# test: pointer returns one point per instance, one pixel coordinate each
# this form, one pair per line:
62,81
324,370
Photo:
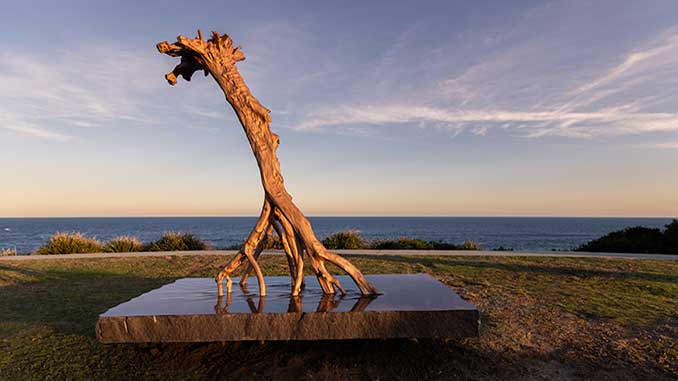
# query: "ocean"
518,233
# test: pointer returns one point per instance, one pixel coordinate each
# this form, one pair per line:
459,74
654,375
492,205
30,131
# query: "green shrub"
403,243
123,244
671,236
440,245
502,248
177,241
351,240
70,243
637,239
470,245
274,242
346,240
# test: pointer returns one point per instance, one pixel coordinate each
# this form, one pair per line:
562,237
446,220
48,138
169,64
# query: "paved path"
360,252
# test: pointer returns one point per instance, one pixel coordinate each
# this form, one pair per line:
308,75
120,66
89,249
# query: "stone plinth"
189,310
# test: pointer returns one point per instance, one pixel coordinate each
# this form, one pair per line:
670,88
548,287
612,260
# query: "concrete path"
359,252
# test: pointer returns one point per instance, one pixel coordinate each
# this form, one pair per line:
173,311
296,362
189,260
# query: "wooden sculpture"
217,57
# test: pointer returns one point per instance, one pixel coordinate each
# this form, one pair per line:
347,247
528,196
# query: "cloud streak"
37,132
667,145
70,89
535,124
629,97
524,85
54,96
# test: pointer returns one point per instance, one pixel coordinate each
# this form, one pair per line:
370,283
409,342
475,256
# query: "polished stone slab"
189,310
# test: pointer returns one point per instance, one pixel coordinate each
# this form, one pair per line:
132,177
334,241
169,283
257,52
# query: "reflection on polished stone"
327,303
190,310
190,296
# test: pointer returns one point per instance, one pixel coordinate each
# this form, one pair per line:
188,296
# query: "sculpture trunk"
217,57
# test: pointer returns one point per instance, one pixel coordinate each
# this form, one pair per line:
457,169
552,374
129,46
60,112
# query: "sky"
451,108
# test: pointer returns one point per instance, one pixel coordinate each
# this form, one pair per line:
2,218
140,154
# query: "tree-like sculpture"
217,57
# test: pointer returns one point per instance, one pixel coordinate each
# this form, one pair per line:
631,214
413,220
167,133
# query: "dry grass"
542,318
8,252
70,243
177,241
123,244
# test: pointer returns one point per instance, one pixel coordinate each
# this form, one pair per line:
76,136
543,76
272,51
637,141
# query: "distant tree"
637,239
671,236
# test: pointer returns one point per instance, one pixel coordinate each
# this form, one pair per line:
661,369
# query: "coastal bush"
671,235
70,243
637,239
8,252
502,248
470,245
403,243
123,244
274,242
440,245
346,240
177,241
352,240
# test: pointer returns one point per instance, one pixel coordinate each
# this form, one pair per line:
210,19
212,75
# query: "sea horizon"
351,216
532,233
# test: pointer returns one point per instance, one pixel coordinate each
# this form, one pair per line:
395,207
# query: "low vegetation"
78,243
541,318
637,240
347,240
273,242
70,243
123,244
177,241
351,239
404,243
630,240
7,252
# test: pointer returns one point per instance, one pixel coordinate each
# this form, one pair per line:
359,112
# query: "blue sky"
562,108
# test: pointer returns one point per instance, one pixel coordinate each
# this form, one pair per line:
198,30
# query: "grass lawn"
542,318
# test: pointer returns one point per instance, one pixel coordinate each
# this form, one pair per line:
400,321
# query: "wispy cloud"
534,124
673,145
626,97
52,96
650,56
206,113
69,89
528,85
29,129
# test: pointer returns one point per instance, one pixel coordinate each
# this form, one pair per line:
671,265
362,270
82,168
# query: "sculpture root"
272,219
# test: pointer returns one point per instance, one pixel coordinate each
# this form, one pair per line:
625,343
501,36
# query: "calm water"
519,233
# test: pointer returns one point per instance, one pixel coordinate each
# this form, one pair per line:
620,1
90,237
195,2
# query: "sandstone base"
189,310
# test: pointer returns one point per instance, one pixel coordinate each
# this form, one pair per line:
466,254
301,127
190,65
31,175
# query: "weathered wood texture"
217,57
